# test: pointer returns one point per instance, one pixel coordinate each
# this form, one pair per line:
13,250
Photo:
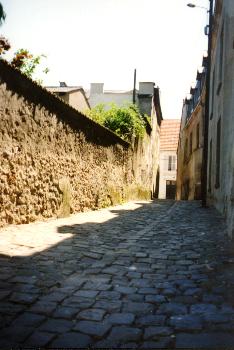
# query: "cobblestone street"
156,274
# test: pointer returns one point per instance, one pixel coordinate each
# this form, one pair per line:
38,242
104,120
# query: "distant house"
73,95
169,134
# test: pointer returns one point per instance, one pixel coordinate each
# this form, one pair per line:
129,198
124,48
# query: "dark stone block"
125,334
186,322
151,320
72,340
172,309
39,339
92,314
138,308
121,318
155,332
203,308
98,329
205,340
155,299
56,326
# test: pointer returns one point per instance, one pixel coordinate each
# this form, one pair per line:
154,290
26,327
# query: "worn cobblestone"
121,318
186,322
39,339
120,334
97,329
155,332
72,340
141,275
92,314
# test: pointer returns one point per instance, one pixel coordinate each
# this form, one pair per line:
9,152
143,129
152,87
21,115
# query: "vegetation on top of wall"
27,63
126,121
38,95
4,45
23,60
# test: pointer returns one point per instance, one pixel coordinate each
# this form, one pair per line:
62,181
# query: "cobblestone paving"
149,275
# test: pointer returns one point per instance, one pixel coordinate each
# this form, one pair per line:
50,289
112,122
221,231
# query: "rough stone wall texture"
54,160
146,157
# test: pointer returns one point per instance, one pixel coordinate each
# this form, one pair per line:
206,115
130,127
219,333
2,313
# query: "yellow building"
190,145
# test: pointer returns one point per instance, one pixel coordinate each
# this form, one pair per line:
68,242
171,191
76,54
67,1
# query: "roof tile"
169,134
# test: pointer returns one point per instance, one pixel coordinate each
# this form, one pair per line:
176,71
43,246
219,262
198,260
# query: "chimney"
96,88
146,88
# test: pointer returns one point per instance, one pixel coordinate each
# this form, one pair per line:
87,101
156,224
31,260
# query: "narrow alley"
146,274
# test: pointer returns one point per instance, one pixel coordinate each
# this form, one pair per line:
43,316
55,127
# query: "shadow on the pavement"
120,216
61,259
92,251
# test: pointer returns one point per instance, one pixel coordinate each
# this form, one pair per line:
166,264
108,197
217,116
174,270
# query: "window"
210,166
198,135
171,163
191,143
218,139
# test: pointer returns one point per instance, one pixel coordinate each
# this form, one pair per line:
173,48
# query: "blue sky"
104,40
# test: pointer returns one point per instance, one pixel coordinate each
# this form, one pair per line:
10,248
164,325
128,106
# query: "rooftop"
63,88
169,134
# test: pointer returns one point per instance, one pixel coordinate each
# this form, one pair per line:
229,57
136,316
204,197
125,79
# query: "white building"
169,134
97,95
143,96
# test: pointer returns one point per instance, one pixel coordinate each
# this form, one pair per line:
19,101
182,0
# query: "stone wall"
220,166
54,160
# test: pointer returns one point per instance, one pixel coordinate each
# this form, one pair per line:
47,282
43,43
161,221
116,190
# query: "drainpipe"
207,112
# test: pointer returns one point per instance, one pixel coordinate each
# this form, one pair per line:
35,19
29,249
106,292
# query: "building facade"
72,95
143,96
190,145
220,167
98,95
169,134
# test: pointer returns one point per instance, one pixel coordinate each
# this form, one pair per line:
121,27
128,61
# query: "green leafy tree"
126,121
97,113
27,63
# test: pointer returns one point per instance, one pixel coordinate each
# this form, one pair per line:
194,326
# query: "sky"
105,40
